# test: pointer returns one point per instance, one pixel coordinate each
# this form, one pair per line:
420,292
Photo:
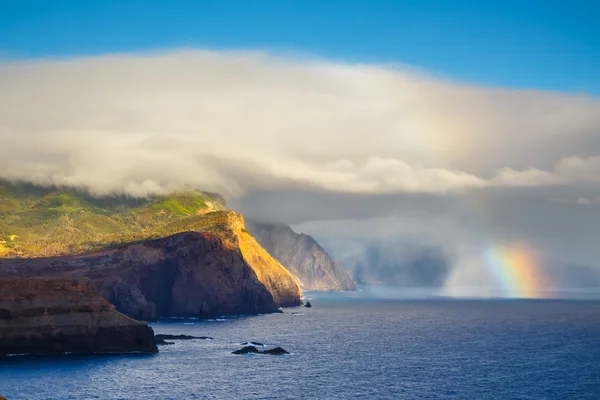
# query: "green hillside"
37,221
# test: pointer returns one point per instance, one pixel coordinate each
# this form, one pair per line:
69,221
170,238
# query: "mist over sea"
377,343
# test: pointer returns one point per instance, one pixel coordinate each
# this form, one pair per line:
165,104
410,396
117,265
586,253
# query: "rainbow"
516,272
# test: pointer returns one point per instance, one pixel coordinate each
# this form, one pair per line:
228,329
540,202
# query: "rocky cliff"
188,274
303,257
58,315
230,227
142,272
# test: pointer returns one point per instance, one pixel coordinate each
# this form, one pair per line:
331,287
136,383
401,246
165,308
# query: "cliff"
230,227
65,315
188,274
303,257
113,239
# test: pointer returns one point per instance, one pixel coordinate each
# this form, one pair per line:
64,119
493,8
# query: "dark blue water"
348,346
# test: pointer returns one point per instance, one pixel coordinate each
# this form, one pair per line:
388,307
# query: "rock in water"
276,351
254,350
247,350
308,305
162,342
162,336
65,315
253,344
302,256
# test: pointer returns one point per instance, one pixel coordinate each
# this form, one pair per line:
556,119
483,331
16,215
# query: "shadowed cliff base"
189,274
65,315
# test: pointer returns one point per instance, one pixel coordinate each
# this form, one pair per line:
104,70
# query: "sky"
542,44
391,131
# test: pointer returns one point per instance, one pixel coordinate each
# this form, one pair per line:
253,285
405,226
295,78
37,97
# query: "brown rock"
188,274
58,315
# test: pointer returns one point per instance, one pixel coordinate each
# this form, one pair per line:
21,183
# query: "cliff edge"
230,227
189,274
63,315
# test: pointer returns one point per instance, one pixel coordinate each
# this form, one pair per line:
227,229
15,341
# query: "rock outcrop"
65,315
162,342
303,257
189,274
254,350
230,227
162,336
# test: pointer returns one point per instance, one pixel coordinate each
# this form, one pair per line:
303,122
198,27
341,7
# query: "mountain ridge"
302,256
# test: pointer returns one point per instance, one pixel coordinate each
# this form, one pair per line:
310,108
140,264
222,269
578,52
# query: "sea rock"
302,256
276,351
308,305
65,315
254,350
188,274
162,336
246,350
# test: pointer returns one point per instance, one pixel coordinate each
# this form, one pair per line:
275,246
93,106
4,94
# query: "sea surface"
347,346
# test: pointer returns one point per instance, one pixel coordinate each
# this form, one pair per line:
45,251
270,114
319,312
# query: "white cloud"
232,121
315,140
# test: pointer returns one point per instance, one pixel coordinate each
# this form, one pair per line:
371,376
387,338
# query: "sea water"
347,346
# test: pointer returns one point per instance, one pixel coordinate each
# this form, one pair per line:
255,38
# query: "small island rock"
254,350
276,350
247,350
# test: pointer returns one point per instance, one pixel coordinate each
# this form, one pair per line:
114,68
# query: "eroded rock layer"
189,274
65,315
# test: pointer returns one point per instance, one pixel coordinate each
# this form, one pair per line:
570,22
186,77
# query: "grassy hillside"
36,221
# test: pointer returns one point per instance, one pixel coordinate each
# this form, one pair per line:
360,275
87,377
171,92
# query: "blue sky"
524,44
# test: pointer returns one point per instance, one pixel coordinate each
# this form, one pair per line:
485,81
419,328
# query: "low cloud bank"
399,157
231,121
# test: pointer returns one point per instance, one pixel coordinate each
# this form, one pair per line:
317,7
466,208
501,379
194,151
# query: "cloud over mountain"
386,150
232,121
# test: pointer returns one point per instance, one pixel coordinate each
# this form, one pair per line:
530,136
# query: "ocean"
352,345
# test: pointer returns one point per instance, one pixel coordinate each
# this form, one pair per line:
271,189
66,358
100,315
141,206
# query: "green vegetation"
37,221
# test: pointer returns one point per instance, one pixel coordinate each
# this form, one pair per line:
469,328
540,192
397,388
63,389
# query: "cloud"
238,121
361,156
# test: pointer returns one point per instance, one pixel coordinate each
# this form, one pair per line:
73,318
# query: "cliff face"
276,278
230,228
189,274
58,315
63,223
303,257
